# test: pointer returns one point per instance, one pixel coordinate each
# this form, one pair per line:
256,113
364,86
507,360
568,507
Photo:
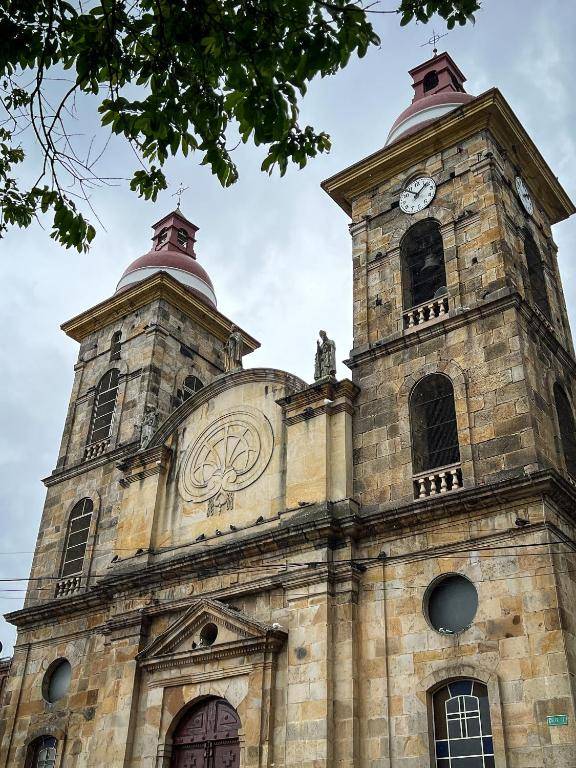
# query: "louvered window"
536,275
116,345
104,407
567,428
423,269
76,538
433,424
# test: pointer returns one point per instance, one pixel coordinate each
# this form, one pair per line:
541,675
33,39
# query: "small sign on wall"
557,720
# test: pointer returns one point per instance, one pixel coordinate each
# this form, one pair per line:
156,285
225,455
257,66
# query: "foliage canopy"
169,77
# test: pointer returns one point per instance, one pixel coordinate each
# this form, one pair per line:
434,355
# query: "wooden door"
207,737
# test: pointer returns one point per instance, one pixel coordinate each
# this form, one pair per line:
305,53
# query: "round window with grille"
450,604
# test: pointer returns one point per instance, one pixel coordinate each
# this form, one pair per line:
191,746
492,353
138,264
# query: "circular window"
208,634
56,680
450,603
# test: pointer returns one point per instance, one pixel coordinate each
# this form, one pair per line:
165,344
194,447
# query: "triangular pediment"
210,630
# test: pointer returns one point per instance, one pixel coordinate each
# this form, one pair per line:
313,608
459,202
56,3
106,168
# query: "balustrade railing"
95,449
424,313
68,586
438,481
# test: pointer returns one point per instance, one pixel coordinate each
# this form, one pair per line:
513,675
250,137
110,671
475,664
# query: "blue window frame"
462,727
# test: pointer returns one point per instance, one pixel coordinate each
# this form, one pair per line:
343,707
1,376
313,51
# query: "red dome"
174,254
424,111
438,89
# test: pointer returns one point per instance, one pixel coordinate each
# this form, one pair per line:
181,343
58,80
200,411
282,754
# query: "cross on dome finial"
433,40
179,192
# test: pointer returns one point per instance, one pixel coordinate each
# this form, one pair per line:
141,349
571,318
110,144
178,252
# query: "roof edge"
489,110
158,286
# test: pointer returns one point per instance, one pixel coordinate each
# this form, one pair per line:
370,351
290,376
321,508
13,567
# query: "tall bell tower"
455,272
464,430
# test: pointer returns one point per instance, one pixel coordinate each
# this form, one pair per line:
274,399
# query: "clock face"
524,195
418,195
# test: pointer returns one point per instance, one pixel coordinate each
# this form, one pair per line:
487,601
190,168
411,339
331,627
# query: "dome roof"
424,111
438,89
173,252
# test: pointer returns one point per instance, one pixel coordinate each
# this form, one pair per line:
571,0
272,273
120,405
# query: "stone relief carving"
227,456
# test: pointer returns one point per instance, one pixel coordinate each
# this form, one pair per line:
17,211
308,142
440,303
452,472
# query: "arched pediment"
221,384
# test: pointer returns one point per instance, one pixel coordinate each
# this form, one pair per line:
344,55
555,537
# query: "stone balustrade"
438,481
424,313
69,586
95,449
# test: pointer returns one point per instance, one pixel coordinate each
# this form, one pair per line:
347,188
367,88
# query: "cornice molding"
158,286
419,336
489,111
119,453
318,527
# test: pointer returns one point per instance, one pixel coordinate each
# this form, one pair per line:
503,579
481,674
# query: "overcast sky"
278,250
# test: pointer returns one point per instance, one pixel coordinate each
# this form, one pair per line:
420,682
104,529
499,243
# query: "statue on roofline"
325,363
233,350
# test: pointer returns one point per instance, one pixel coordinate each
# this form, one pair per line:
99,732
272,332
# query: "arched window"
424,272
567,428
192,384
433,424
462,727
536,274
76,538
208,730
430,81
104,406
115,345
42,753
182,237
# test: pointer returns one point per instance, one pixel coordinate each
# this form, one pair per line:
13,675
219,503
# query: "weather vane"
181,189
433,40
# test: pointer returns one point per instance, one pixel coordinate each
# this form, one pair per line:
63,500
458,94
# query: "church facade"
238,569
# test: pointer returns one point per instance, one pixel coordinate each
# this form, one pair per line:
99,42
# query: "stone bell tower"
455,272
464,430
143,351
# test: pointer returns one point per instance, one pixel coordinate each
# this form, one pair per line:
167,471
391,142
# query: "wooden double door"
207,737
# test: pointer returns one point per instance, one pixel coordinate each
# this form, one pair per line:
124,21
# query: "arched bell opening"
423,267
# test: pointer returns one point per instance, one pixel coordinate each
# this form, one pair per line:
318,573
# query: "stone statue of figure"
325,364
233,351
149,424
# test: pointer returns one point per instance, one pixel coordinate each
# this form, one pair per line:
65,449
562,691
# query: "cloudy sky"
277,250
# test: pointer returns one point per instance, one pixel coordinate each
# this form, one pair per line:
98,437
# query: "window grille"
162,235
462,727
430,81
42,753
76,538
104,407
424,271
115,345
567,428
182,237
536,275
433,424
192,384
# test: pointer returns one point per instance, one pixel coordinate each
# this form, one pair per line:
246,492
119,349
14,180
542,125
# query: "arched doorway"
207,737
